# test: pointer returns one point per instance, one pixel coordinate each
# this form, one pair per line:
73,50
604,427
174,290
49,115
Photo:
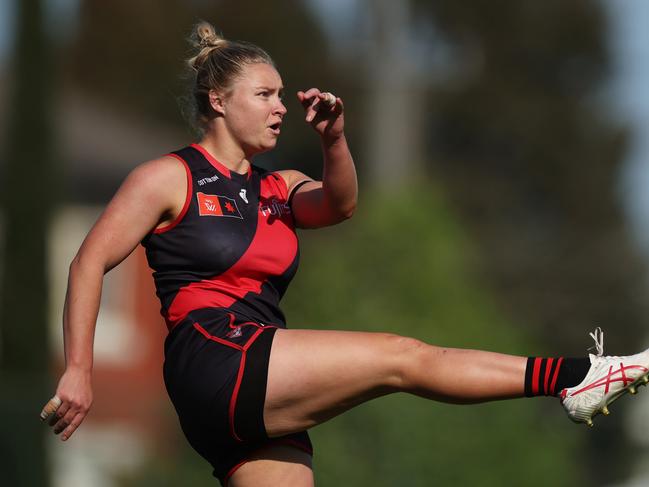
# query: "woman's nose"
280,108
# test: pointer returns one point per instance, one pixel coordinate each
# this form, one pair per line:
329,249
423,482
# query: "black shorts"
215,371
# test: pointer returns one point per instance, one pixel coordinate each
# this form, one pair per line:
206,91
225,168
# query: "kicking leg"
315,375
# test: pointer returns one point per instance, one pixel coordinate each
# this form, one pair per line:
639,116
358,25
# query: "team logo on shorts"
216,205
234,333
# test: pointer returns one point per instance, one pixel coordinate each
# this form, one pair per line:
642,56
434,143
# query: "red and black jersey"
232,247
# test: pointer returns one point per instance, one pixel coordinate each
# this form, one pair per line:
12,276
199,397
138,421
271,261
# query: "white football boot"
608,379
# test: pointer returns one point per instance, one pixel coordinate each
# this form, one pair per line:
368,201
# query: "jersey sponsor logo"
204,181
216,205
242,193
274,208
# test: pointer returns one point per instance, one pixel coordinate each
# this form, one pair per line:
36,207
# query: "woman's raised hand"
323,111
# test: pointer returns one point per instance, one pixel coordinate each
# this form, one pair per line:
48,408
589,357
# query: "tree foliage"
140,65
531,163
404,266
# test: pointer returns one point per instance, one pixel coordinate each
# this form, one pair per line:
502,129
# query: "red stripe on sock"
548,370
555,377
535,376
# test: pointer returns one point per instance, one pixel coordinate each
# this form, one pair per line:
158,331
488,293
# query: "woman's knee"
406,359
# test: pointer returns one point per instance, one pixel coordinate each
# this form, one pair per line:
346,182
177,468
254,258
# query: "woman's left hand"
326,119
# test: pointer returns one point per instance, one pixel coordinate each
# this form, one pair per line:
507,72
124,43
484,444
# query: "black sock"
549,376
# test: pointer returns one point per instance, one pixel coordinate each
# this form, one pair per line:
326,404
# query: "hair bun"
205,35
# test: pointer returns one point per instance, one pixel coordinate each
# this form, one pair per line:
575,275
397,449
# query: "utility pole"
396,107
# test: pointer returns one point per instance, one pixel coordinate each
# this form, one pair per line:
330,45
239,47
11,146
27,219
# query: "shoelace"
598,336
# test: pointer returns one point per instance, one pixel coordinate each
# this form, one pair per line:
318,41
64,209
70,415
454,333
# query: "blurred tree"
404,266
27,198
139,66
532,165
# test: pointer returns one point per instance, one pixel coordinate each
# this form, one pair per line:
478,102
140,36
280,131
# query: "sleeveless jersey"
233,246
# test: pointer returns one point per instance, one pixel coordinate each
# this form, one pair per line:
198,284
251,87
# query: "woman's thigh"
275,465
314,375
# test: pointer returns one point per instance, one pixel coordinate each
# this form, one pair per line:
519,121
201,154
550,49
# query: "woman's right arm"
152,194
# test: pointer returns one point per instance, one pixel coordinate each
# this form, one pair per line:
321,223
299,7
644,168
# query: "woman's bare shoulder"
163,169
159,183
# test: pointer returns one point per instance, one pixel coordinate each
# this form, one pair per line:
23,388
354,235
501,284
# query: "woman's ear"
216,102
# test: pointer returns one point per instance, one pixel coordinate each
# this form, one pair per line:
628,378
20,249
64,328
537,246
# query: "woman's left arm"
332,200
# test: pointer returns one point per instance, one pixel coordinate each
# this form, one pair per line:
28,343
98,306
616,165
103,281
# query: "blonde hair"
215,65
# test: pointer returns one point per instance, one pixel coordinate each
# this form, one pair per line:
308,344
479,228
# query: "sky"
6,28
629,23
337,15
60,13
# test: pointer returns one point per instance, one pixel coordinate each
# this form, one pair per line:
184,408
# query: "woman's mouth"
275,128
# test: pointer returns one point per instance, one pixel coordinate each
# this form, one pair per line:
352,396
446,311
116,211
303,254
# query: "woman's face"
253,108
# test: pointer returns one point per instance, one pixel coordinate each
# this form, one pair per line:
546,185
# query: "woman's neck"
229,154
